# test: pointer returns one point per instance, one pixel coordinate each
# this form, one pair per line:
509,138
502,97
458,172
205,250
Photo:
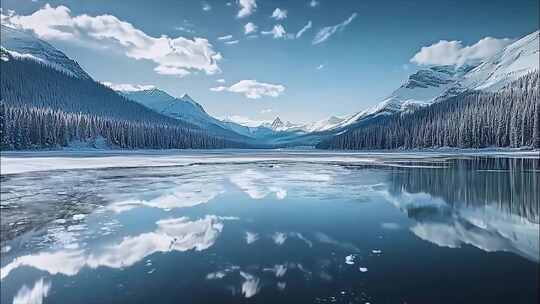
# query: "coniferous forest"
507,118
42,107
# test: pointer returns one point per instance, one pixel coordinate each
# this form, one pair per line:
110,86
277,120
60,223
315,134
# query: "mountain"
187,109
59,104
474,119
439,83
323,125
184,108
513,62
19,44
277,124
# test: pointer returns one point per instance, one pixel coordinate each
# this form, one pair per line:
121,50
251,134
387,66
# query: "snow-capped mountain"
513,62
326,124
277,125
186,109
329,123
19,44
437,83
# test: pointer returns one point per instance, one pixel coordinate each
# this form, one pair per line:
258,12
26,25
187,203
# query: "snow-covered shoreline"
14,162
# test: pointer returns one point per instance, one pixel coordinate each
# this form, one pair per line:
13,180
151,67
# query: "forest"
506,118
42,107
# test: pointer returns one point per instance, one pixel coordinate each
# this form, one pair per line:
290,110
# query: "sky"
253,60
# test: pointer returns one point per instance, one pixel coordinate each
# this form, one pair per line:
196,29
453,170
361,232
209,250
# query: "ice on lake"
296,227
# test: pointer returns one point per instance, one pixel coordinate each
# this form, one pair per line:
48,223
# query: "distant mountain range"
423,88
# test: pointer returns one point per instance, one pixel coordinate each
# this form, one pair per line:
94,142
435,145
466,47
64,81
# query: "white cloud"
253,89
126,87
313,3
304,29
265,111
249,28
171,71
173,56
34,295
327,32
226,37
247,7
221,80
320,67
232,42
278,31
279,14
454,53
206,6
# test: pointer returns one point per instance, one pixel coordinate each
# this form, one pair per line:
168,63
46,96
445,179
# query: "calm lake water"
438,230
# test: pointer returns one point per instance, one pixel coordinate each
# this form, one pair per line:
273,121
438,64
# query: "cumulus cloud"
221,80
279,14
126,87
278,31
232,42
247,7
327,32
249,28
173,56
454,53
304,29
253,89
313,3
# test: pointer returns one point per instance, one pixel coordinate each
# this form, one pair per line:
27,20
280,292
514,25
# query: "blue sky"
365,52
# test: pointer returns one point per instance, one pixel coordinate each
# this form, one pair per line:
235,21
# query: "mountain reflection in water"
270,231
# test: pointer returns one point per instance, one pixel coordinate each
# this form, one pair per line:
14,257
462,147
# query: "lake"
270,227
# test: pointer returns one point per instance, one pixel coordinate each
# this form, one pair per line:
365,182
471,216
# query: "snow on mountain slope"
513,62
325,124
19,44
184,108
438,83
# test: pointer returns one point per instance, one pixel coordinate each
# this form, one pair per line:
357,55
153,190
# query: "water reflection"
489,203
39,291
322,233
178,234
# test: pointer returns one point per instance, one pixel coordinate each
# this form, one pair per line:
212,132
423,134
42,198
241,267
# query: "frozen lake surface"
269,227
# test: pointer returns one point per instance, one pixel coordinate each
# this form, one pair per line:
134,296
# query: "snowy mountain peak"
188,99
514,61
18,44
277,124
438,83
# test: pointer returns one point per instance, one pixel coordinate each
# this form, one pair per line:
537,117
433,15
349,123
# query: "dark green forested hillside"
508,118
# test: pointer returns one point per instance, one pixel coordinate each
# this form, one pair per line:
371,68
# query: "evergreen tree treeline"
42,107
507,118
